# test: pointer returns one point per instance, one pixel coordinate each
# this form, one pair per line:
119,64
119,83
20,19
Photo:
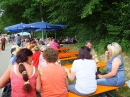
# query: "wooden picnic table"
70,58
67,55
64,49
100,64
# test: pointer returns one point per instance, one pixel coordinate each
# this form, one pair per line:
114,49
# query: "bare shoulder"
116,61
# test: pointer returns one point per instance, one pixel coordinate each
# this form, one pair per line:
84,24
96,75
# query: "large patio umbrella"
51,28
21,27
40,25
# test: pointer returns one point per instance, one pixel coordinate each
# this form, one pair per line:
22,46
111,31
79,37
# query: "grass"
123,92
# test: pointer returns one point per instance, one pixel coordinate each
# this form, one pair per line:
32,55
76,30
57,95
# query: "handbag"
6,91
38,94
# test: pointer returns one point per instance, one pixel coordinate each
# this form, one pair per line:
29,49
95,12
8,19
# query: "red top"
36,56
53,81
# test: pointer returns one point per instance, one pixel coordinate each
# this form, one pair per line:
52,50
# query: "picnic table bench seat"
64,49
100,89
67,55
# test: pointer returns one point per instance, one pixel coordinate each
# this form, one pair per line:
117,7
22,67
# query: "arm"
66,83
38,82
115,66
71,75
4,79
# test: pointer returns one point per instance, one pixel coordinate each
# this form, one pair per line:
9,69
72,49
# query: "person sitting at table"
24,78
54,44
84,69
42,61
115,67
53,77
92,52
13,59
36,55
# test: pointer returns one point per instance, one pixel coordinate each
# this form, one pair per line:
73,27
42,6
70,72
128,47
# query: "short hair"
115,48
50,55
89,41
84,53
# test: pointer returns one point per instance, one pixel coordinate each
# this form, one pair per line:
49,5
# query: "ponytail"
27,87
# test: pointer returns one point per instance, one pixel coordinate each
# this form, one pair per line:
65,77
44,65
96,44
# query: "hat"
17,50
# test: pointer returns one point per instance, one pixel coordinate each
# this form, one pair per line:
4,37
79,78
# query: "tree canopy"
101,21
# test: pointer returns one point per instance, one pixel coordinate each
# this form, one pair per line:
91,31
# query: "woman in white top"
42,61
84,69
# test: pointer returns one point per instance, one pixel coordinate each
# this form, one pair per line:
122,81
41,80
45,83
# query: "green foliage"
97,20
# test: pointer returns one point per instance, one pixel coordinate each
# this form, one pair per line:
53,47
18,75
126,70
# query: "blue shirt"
119,78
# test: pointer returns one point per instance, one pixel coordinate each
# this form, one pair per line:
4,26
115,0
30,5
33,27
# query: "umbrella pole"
46,34
42,34
55,35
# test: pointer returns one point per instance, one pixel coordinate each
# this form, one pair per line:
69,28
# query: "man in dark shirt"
3,40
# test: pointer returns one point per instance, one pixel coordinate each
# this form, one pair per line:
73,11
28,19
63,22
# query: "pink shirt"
17,84
54,45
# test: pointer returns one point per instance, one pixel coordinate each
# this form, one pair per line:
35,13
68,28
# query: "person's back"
53,77
85,75
84,69
53,81
17,82
54,45
24,78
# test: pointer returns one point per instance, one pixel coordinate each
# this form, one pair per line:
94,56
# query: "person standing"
18,40
3,41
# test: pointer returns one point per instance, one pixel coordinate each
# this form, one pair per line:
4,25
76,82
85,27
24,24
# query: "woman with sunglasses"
115,67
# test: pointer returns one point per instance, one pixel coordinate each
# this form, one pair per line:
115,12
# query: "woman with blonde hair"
24,77
115,67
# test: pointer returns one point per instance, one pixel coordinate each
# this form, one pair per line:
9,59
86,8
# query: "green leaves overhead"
89,8
98,20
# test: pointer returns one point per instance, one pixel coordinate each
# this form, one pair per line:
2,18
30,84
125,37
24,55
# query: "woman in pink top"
24,77
53,44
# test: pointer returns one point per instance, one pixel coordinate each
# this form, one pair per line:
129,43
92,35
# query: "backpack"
7,91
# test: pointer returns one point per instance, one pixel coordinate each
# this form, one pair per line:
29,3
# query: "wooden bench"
100,89
66,59
64,49
67,55
101,64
